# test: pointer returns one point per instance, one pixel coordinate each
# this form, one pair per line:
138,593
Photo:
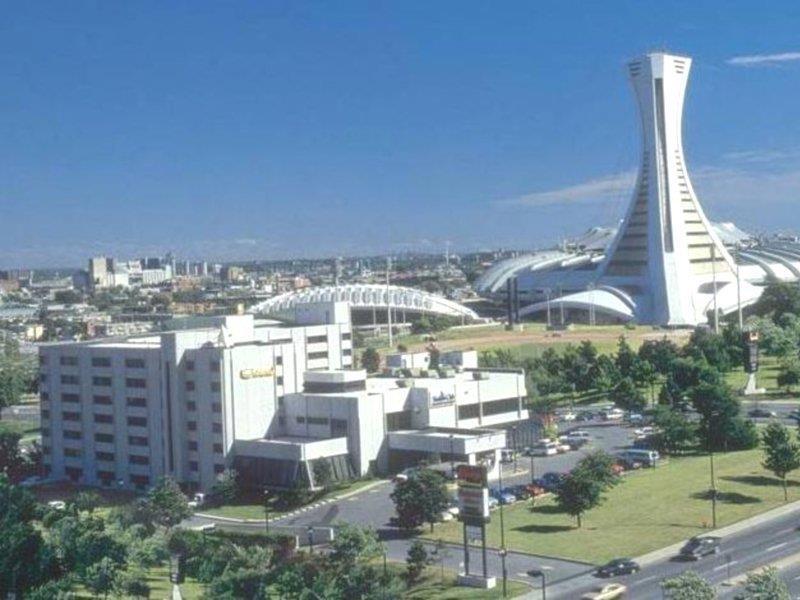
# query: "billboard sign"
473,494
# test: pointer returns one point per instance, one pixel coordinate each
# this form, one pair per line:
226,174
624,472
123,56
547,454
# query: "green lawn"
160,587
251,509
649,510
29,430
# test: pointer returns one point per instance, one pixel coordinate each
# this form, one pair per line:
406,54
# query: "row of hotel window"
103,400
98,381
97,361
108,438
132,421
106,478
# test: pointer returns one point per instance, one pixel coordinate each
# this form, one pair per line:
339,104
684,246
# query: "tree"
420,499
626,357
676,433
764,585
687,586
644,373
578,492
353,544
599,465
132,584
166,503
789,374
659,353
226,489
777,299
86,501
781,453
100,577
627,396
416,561
371,360
12,462
721,427
323,473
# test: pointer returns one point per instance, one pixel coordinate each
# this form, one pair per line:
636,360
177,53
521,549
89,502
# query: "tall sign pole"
389,302
473,504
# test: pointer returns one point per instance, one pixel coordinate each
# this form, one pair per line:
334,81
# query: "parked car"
562,446
569,416
698,547
617,469
585,415
505,497
575,443
521,491
761,413
614,414
610,591
57,504
507,455
493,502
445,516
628,464
579,434
644,431
648,458
545,449
618,566
550,481
198,500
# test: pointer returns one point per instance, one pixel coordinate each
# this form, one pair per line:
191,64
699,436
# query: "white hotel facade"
266,398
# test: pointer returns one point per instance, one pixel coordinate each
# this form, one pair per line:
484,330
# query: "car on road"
585,415
503,496
698,547
613,414
644,431
579,434
574,443
761,413
618,566
562,446
610,591
647,458
569,416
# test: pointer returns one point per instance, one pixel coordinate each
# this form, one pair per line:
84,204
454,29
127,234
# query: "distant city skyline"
276,130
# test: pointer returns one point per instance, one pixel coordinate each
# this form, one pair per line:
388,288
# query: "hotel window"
216,428
101,381
104,438
346,335
189,386
316,339
71,416
135,401
190,365
280,380
73,452
42,377
70,380
74,473
278,360
107,456
214,366
105,400
218,448
132,382
193,445
68,361
104,418
316,355
72,435
42,359
191,425
215,386
216,407
137,421
45,414
135,459
193,466
101,361
44,396
317,421
300,420
70,398
219,469
140,481
191,406
137,440
134,363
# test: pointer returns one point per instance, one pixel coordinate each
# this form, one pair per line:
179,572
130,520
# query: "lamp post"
310,532
452,459
514,444
503,552
266,511
541,573
713,490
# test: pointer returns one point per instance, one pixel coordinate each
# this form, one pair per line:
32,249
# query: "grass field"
252,509
29,430
649,510
160,587
431,586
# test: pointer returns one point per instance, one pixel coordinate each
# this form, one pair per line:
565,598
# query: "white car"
545,449
569,416
644,431
579,434
57,504
445,516
615,414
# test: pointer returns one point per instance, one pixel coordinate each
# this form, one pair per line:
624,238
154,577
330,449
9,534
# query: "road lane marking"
776,546
726,565
646,579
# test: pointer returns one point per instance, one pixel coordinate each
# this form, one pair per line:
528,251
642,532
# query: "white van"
648,458
545,449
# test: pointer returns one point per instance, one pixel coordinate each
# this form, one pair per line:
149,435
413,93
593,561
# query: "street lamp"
452,459
310,532
266,510
503,552
540,573
514,445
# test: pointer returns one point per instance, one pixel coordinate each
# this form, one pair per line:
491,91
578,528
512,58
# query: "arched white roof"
366,295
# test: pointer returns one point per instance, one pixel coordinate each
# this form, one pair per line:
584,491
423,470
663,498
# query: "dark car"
618,566
698,547
585,415
521,492
550,481
761,413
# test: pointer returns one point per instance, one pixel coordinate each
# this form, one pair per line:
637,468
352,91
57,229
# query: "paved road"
739,553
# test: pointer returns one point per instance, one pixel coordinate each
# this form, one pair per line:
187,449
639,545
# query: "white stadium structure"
368,297
666,260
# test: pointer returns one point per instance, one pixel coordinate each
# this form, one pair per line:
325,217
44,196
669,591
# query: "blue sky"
274,129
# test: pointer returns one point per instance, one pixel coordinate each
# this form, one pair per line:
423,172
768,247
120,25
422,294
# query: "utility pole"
739,289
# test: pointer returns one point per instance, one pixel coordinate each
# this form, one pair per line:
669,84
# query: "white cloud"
609,187
763,59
